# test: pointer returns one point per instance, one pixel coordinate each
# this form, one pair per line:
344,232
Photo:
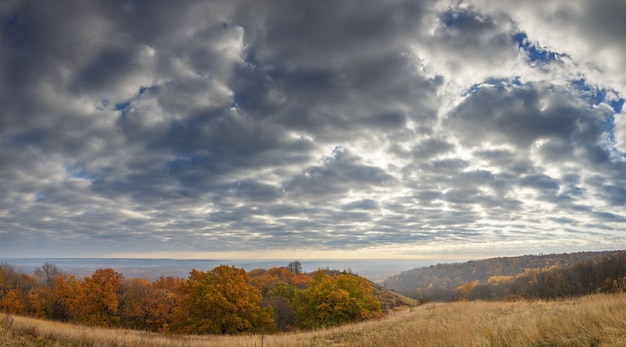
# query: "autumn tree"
278,286
331,300
17,292
146,305
134,301
71,294
220,301
163,302
95,300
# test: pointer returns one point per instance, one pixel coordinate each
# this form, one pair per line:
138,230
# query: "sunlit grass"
595,320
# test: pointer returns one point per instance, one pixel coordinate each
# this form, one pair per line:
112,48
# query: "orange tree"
146,305
95,300
220,301
331,300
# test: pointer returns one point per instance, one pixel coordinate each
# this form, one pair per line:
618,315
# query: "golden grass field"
595,320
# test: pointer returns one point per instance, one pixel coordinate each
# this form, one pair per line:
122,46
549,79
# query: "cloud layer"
354,128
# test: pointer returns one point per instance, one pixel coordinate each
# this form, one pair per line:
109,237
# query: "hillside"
595,320
445,281
390,300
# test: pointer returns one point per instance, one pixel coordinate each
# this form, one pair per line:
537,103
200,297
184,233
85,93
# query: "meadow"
593,320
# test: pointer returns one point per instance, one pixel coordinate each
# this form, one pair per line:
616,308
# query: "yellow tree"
331,300
220,301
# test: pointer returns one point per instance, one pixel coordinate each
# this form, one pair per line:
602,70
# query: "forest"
227,300
223,300
531,276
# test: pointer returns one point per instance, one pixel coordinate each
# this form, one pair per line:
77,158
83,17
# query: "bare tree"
295,267
47,274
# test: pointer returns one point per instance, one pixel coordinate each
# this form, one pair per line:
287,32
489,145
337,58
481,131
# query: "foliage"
331,300
146,305
443,282
97,300
565,277
224,300
220,301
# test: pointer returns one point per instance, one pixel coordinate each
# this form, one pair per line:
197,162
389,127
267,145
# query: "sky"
401,129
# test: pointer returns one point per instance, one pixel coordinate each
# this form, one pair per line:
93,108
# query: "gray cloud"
400,128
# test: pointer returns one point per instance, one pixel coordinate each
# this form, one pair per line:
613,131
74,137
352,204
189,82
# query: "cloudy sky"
311,129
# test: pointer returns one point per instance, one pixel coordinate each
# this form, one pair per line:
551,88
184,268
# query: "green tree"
220,301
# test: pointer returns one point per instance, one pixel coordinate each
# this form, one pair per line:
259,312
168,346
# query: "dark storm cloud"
150,126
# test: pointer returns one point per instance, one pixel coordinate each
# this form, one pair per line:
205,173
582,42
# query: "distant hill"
453,281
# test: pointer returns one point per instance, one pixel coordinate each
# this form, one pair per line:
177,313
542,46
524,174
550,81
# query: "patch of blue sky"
80,173
437,80
144,89
593,94
536,55
123,108
596,95
617,105
471,89
610,130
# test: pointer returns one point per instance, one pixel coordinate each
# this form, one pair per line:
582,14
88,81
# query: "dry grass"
596,320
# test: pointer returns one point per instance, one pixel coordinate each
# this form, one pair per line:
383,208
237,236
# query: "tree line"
540,276
223,300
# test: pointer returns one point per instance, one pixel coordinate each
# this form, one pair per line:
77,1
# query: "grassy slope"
391,301
596,320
